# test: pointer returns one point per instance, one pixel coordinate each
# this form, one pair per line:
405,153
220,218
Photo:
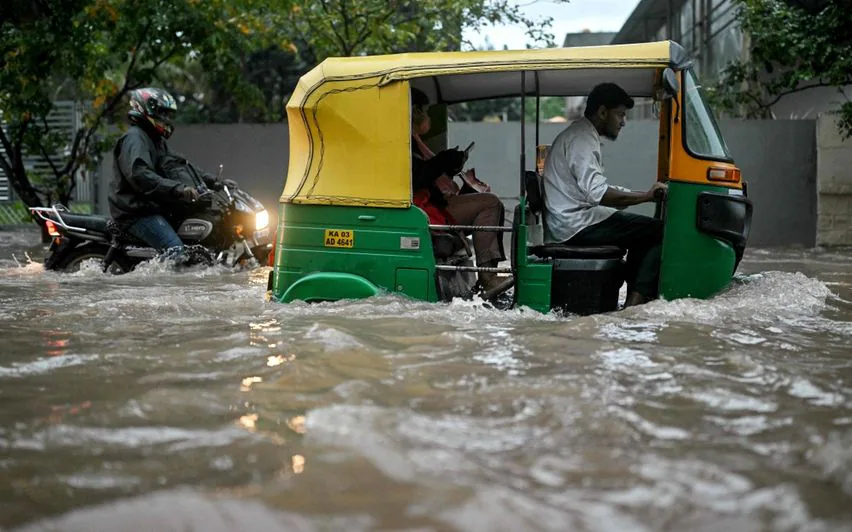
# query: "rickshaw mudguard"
701,247
329,286
365,248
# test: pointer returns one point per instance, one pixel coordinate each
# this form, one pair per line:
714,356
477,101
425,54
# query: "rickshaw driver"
581,209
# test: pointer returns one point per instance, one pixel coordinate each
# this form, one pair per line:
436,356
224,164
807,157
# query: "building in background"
710,32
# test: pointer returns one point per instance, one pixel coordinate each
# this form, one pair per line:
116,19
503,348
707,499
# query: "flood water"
183,401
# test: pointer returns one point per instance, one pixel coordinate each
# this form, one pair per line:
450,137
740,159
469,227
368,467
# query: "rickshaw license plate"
339,238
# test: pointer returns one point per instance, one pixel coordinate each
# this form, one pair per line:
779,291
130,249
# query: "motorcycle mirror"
221,169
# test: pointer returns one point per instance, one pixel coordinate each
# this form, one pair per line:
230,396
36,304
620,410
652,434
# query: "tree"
329,28
795,45
326,28
96,51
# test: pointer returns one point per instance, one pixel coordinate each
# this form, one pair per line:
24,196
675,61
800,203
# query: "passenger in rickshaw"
581,209
437,194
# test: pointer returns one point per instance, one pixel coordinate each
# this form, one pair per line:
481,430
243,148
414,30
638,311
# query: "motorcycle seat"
89,222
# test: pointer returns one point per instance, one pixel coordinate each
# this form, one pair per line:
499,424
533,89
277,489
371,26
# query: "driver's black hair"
609,95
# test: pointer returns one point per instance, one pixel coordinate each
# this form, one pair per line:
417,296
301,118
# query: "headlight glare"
261,220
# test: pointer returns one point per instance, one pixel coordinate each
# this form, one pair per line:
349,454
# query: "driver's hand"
189,194
230,183
658,191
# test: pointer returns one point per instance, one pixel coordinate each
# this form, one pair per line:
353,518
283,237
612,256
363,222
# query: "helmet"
156,106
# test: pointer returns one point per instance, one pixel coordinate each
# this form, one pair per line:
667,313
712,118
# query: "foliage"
95,51
329,28
338,28
795,45
225,61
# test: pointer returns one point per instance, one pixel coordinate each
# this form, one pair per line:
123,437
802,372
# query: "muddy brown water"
182,401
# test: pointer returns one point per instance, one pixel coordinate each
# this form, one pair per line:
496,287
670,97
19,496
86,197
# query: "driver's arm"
621,198
583,159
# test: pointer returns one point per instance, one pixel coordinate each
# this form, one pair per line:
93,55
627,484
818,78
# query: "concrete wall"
834,172
778,159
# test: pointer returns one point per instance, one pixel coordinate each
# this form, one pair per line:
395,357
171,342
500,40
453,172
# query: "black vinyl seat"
89,222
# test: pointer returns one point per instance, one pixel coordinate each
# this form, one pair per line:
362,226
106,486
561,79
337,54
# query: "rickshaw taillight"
727,175
51,229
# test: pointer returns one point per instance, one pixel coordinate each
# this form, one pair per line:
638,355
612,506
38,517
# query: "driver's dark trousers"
641,236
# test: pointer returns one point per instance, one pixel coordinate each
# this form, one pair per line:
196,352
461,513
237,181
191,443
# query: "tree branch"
43,150
780,95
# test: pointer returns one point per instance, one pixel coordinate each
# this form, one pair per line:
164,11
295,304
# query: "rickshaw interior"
585,279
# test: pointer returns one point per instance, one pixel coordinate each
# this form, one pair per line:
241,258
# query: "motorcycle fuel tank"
194,229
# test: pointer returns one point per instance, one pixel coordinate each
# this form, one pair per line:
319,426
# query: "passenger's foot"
634,298
496,286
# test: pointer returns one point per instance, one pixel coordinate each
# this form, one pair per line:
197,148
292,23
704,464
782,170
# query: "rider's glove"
188,194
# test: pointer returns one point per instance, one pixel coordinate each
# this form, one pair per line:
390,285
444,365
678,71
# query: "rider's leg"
156,232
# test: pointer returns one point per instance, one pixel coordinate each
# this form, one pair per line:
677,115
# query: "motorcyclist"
140,193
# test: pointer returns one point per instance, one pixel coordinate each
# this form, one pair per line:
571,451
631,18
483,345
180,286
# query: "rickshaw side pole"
537,110
523,132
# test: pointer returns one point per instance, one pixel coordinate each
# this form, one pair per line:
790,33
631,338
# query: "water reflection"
245,385
57,342
248,421
298,463
297,424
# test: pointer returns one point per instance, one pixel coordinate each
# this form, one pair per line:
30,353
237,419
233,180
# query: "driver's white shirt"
574,183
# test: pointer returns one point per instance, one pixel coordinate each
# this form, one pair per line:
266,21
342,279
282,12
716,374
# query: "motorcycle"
226,226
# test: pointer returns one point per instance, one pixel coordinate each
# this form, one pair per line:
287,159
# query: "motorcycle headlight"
261,220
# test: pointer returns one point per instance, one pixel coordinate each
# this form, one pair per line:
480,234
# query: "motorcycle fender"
57,252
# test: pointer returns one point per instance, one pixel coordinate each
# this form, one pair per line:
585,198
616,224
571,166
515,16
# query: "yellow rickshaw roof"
349,117
456,65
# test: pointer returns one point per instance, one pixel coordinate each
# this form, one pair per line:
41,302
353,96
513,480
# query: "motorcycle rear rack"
42,211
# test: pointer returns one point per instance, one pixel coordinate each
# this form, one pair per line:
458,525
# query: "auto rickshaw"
348,229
